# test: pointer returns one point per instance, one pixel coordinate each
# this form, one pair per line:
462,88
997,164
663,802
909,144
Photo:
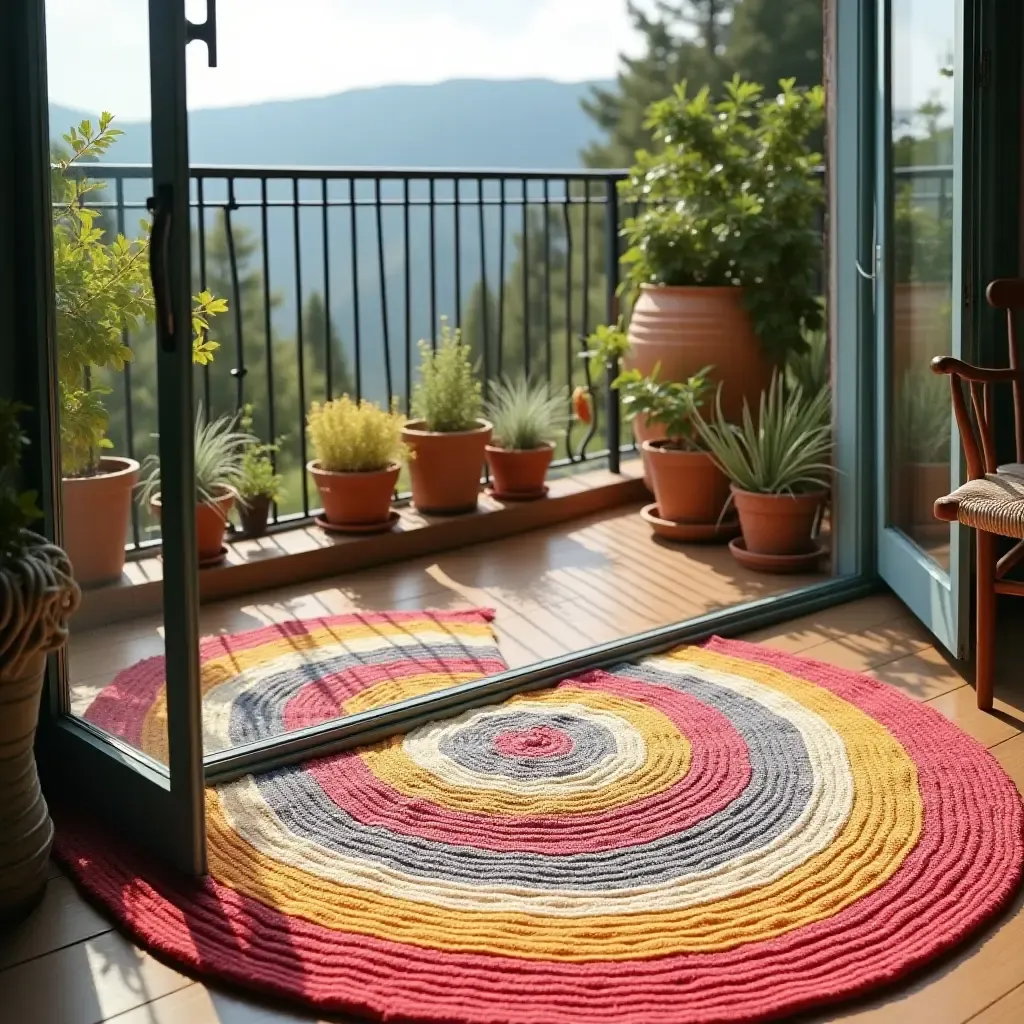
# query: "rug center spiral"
537,741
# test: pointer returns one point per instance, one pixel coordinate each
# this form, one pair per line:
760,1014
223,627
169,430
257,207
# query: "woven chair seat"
994,504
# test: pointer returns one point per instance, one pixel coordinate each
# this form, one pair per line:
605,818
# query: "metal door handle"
162,206
206,31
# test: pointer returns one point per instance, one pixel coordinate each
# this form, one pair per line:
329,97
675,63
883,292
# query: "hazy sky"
272,49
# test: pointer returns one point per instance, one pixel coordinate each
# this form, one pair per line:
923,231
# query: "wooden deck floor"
67,965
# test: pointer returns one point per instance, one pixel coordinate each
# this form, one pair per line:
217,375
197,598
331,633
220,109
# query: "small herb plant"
355,437
607,345
924,417
102,292
448,397
673,404
526,415
220,449
18,508
259,478
785,452
730,197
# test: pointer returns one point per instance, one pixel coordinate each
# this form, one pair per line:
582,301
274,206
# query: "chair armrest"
958,368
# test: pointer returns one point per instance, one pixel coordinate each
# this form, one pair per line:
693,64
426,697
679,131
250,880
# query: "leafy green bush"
731,197
447,397
18,508
785,452
526,415
355,437
673,404
607,345
924,417
102,291
259,479
220,448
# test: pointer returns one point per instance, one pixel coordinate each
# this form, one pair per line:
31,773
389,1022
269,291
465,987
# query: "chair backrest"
1008,293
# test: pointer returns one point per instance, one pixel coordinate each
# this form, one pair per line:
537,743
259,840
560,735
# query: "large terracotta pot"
96,513
920,325
445,469
519,474
777,524
688,486
686,329
923,483
211,525
355,499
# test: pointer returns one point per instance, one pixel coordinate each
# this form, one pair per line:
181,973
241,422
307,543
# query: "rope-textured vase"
37,594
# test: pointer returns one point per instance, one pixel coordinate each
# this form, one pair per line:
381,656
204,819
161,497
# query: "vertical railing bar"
585,323
611,252
239,371
569,346
201,225
268,327
129,419
328,347
382,270
301,344
501,275
456,212
526,278
485,298
407,297
549,369
353,241
433,263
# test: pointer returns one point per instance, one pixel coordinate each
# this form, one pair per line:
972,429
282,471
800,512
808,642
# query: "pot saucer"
518,495
689,533
361,529
209,563
807,561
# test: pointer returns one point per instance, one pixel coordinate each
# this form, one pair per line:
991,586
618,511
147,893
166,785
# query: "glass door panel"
921,268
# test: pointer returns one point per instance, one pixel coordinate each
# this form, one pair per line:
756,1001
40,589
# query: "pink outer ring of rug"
949,884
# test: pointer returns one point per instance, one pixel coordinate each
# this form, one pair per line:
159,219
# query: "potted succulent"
260,485
689,487
102,294
724,252
359,454
220,448
527,418
447,436
37,594
922,436
779,474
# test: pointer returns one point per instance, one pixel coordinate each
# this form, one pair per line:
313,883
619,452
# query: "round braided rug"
724,833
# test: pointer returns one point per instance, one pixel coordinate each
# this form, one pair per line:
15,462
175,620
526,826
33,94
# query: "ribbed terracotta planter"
445,469
211,525
688,486
26,831
519,474
355,499
777,524
923,483
96,512
687,329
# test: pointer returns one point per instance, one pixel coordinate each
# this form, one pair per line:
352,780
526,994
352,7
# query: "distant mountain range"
529,124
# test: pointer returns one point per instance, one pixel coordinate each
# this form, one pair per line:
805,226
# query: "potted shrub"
725,250
779,474
260,485
102,294
446,437
688,484
37,594
359,454
220,449
922,436
527,418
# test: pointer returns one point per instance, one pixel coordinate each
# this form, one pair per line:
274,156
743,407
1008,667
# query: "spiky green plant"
785,452
526,415
924,417
448,396
220,448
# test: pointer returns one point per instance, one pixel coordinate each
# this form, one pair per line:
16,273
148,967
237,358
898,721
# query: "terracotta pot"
211,525
686,329
920,325
518,472
254,514
97,511
355,499
446,468
26,831
923,483
644,431
777,524
688,486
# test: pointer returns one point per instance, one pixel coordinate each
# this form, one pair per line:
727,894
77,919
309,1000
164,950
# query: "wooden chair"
992,500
